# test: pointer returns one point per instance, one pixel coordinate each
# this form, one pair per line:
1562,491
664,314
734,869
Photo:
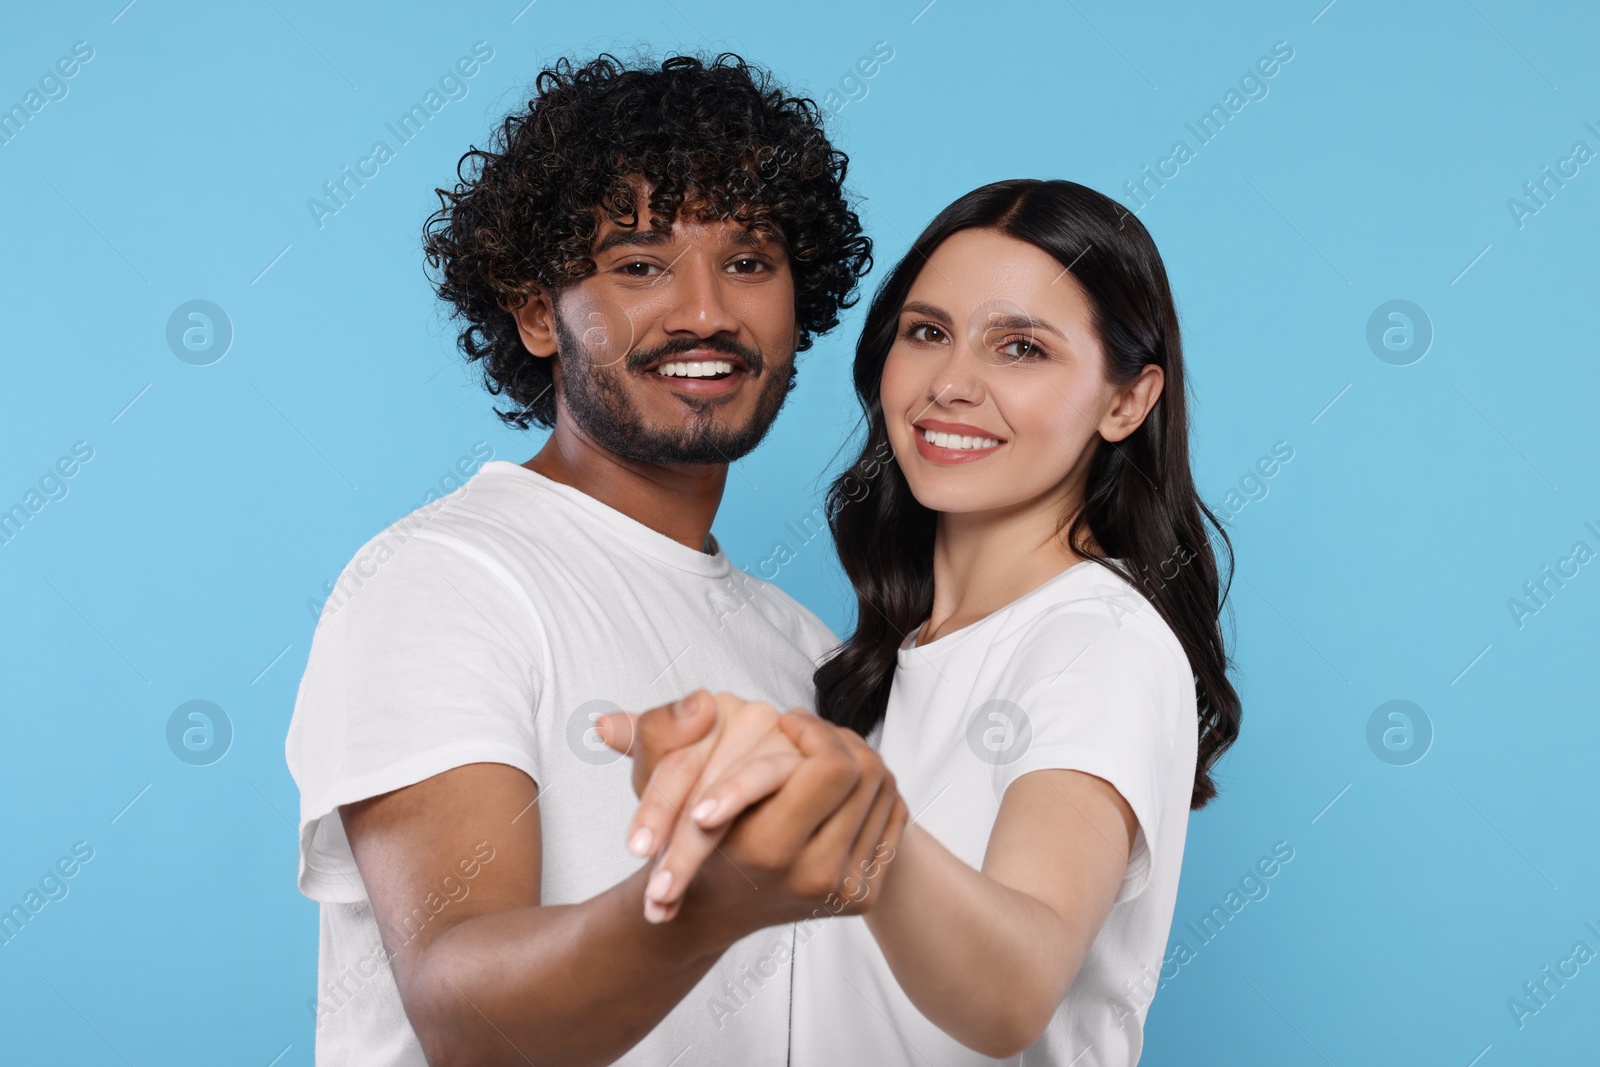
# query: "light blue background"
1378,566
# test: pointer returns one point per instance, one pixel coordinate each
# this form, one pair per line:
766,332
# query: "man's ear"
536,321
1132,403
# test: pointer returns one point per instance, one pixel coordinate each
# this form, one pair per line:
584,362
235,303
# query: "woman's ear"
536,322
1133,403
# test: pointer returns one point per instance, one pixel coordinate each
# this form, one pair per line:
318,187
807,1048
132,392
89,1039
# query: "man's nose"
699,306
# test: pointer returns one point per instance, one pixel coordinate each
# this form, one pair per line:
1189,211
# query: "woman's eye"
926,331
1020,348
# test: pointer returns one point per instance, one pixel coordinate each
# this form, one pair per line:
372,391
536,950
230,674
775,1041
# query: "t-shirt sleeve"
1102,690
425,658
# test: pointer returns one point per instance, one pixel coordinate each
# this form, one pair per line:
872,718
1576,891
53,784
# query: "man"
636,263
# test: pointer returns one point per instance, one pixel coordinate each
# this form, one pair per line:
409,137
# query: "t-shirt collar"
627,530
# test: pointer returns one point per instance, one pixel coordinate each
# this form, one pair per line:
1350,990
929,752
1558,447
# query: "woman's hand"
701,762
694,792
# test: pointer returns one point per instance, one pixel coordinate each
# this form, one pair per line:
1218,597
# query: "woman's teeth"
706,369
955,440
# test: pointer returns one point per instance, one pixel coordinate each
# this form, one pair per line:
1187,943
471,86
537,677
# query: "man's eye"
637,269
748,266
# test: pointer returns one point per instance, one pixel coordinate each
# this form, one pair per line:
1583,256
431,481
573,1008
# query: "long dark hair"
1141,515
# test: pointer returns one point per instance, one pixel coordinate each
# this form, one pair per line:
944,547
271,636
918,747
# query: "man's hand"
742,743
680,749
696,790
669,728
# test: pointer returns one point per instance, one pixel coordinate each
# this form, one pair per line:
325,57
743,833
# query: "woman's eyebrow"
996,321
1022,322
917,307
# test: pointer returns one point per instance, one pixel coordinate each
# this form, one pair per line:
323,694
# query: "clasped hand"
787,800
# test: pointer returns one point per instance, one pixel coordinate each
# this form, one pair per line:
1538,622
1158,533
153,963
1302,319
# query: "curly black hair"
710,140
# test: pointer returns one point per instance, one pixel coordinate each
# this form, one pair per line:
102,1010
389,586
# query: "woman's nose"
959,379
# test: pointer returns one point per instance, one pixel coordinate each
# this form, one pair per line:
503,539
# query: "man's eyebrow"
754,238
620,238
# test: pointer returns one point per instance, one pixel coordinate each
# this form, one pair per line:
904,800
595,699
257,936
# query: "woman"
1037,653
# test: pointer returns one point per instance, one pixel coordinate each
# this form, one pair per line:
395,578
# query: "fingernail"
680,707
639,844
704,810
660,882
654,913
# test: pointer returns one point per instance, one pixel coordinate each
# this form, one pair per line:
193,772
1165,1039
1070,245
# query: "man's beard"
598,402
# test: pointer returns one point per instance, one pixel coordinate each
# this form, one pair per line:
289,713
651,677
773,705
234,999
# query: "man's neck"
678,501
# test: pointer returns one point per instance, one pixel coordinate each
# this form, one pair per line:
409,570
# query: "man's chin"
707,430
692,445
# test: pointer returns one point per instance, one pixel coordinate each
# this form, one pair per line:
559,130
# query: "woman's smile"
952,443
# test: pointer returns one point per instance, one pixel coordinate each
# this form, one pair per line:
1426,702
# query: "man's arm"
494,977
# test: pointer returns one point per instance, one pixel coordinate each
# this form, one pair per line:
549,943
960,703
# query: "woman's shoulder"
1091,606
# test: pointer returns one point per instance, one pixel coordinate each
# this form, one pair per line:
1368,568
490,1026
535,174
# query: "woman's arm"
988,955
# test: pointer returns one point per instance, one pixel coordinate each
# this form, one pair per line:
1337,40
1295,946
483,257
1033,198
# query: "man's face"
679,347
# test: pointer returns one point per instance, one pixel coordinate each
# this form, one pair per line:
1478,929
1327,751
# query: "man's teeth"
955,440
704,369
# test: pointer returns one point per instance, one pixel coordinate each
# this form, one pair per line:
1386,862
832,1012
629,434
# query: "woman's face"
995,388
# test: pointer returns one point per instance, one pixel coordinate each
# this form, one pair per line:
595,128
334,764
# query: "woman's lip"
950,457
962,428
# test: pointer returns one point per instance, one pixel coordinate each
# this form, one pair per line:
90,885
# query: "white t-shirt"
492,626
1080,673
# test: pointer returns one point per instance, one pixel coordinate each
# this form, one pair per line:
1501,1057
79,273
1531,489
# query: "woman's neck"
983,561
